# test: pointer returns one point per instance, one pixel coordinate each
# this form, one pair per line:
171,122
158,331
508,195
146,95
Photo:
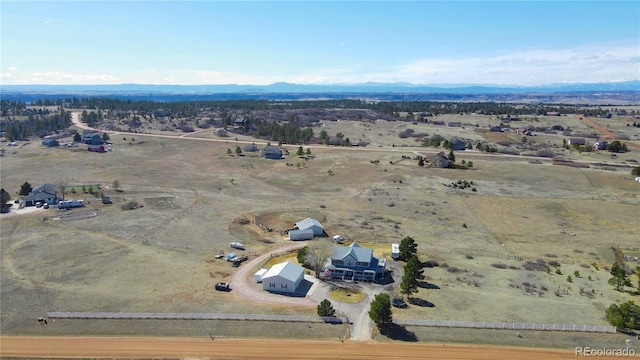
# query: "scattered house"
495,129
283,278
457,144
259,275
395,251
552,113
12,143
600,145
310,224
272,152
511,118
161,113
250,148
338,239
50,142
240,121
353,262
638,179
45,193
441,161
92,139
221,132
454,124
576,141
437,122
524,131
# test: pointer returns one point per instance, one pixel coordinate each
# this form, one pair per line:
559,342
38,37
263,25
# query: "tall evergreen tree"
619,279
25,189
408,248
411,277
4,199
380,311
326,309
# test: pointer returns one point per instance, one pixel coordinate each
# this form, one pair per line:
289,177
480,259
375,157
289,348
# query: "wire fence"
508,326
196,316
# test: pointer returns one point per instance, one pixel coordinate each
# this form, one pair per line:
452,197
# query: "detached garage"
283,278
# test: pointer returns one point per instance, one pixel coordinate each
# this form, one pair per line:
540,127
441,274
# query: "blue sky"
319,42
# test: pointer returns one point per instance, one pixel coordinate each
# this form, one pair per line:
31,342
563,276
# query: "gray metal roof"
359,253
308,223
287,270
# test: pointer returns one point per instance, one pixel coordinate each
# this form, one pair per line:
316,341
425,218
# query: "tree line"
35,126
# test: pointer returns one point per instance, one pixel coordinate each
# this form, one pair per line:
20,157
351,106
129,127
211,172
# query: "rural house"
454,124
457,144
576,141
45,193
50,142
441,161
272,152
283,278
600,145
92,139
354,263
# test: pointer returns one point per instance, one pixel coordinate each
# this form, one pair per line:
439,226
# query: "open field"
197,199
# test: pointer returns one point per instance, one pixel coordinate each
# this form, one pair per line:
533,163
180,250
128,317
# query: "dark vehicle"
398,302
223,286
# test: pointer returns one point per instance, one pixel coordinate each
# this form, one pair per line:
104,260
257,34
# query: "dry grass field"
196,199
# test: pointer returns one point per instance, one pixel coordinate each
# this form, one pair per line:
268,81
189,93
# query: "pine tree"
411,277
380,311
25,189
408,248
326,309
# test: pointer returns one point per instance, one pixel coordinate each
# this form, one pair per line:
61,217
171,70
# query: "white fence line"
508,326
195,316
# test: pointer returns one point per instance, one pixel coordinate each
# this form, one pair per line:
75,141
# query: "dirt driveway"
242,281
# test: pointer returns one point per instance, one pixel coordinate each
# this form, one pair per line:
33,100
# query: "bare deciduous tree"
317,256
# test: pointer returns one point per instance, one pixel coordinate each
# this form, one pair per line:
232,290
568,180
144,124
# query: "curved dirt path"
159,348
242,281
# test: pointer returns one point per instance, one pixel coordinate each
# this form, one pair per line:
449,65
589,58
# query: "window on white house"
284,286
272,285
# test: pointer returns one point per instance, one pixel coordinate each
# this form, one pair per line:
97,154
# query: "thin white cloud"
529,67
58,77
49,21
12,68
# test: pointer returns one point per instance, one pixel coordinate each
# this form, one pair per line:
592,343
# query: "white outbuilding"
296,235
283,278
259,274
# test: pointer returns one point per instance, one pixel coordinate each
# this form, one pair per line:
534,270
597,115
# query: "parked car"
223,286
398,302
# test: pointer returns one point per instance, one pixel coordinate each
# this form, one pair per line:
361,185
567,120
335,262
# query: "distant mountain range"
282,87
583,93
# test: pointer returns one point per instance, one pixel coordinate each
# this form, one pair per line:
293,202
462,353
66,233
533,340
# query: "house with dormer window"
353,262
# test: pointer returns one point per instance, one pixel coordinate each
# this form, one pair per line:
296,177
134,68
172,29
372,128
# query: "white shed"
306,234
310,223
259,274
284,277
